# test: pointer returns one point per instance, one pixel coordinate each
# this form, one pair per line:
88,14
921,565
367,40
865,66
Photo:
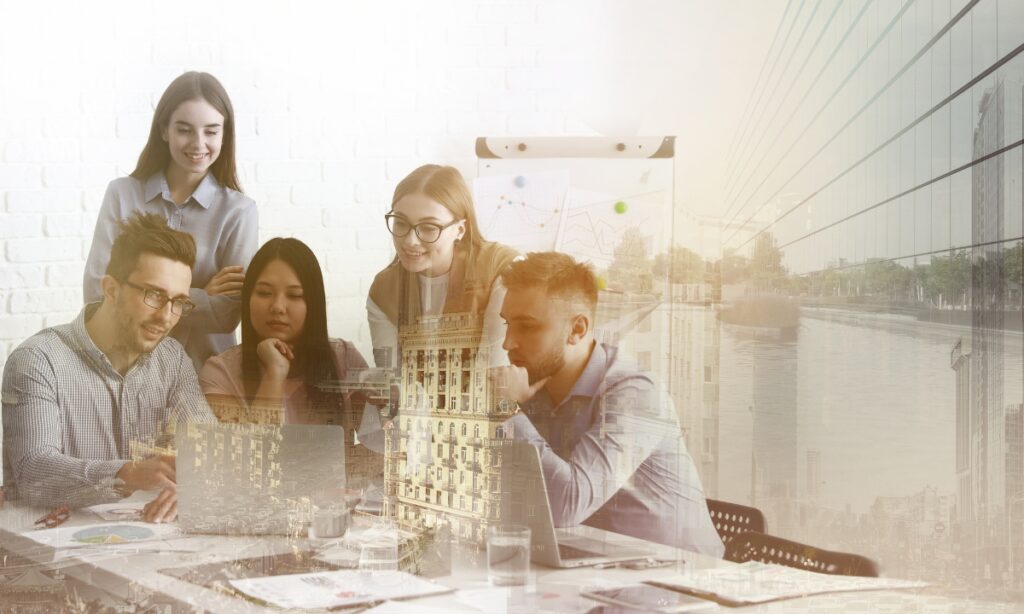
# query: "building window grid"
921,139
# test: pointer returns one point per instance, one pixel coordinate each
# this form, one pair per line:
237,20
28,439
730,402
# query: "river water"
870,396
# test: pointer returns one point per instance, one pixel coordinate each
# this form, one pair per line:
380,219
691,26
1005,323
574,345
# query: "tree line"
943,281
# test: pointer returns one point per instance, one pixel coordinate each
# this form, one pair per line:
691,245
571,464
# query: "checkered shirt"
70,420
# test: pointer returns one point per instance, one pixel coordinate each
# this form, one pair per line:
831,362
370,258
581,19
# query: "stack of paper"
332,589
122,510
755,582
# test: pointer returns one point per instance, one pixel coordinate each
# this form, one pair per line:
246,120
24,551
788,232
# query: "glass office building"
877,176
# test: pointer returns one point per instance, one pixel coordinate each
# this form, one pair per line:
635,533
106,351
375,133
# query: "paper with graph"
103,534
596,222
335,589
524,211
542,211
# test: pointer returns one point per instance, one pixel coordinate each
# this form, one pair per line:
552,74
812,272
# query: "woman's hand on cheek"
276,357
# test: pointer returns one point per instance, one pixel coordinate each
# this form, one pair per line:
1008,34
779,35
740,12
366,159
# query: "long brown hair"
313,348
444,185
192,85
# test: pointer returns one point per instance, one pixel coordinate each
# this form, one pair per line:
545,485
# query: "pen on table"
647,562
55,518
650,563
612,564
135,549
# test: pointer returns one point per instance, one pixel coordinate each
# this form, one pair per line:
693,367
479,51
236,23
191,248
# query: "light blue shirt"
224,224
613,457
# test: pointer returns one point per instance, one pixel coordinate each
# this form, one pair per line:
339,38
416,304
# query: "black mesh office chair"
731,519
752,546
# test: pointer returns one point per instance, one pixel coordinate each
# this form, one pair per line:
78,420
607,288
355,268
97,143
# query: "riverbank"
1011,320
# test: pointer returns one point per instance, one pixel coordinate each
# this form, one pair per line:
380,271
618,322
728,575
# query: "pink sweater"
222,376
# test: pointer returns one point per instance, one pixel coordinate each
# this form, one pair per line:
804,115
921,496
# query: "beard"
129,335
550,363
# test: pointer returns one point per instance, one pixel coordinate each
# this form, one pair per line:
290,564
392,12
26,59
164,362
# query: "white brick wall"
334,103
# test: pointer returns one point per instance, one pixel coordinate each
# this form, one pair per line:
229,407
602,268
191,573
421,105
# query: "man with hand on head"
611,448
77,396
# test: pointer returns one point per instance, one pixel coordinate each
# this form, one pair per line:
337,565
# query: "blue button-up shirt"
224,224
613,457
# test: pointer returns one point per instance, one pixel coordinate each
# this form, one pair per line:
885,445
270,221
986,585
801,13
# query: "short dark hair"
558,274
148,233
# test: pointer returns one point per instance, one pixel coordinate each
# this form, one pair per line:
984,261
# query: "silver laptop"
255,479
525,501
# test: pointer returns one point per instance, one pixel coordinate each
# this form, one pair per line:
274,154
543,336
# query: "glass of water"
508,554
379,549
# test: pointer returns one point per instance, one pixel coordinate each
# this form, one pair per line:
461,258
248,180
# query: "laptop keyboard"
568,552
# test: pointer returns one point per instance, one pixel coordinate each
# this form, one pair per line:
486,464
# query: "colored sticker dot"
602,283
621,207
520,181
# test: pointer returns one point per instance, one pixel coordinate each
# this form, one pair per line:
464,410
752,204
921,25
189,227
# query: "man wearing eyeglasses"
78,397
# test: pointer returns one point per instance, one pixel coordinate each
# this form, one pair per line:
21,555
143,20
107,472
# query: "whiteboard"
577,195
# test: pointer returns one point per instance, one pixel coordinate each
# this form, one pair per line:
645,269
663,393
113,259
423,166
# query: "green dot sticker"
621,207
602,283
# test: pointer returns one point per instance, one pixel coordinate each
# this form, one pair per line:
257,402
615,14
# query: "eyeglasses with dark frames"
428,232
157,299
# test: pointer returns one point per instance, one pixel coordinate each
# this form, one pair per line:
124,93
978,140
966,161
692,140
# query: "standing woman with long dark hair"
187,173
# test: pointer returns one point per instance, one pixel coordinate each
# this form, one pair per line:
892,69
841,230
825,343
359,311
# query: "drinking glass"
508,554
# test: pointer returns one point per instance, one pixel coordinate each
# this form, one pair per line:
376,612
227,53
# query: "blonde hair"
444,185
559,275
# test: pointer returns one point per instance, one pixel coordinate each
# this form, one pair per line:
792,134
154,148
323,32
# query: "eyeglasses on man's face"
157,299
427,232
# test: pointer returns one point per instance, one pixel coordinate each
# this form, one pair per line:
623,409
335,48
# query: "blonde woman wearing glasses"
442,263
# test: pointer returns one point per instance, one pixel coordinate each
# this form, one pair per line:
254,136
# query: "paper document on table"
754,582
540,599
332,589
400,607
122,510
102,553
102,534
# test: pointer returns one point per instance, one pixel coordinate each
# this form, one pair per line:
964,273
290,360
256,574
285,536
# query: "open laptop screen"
257,478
